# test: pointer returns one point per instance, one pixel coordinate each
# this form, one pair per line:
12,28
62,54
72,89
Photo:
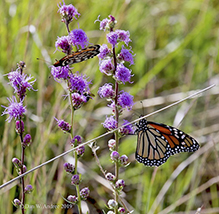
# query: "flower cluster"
78,86
20,82
115,65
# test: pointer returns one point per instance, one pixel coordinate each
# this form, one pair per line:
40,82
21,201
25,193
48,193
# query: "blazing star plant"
78,86
114,66
21,82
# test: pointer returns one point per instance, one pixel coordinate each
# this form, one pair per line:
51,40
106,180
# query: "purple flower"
27,140
114,156
80,151
79,83
120,184
72,198
68,12
122,210
78,100
63,125
20,82
104,51
126,129
76,140
110,123
103,24
107,24
111,144
125,100
68,167
110,177
19,126
17,163
112,204
60,72
63,43
14,110
112,38
17,202
123,36
123,160
75,180
106,67
28,189
123,74
106,91
84,193
78,37
125,55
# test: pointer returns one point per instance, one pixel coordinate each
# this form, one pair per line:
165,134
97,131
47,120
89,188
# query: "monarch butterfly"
78,56
156,142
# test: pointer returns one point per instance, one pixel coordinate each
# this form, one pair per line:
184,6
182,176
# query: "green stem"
116,134
76,156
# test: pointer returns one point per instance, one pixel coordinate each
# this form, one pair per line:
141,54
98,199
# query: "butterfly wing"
157,142
79,56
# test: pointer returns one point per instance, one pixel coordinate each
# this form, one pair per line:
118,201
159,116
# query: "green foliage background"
176,47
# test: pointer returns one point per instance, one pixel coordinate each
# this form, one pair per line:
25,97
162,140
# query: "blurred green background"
176,47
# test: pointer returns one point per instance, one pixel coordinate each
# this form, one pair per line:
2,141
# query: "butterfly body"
157,142
78,56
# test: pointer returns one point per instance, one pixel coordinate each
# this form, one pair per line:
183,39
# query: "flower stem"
22,161
116,134
75,155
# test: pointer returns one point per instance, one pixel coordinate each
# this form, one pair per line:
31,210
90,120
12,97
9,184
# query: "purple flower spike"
63,125
72,198
79,83
125,100
114,156
106,91
75,180
19,126
110,177
68,12
122,210
28,189
112,38
126,129
104,52
14,110
103,24
120,184
68,167
78,37
84,193
123,160
27,140
60,72
80,151
17,202
21,82
125,55
123,36
63,43
123,74
78,100
17,163
111,144
106,67
110,123
112,204
107,24
76,140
